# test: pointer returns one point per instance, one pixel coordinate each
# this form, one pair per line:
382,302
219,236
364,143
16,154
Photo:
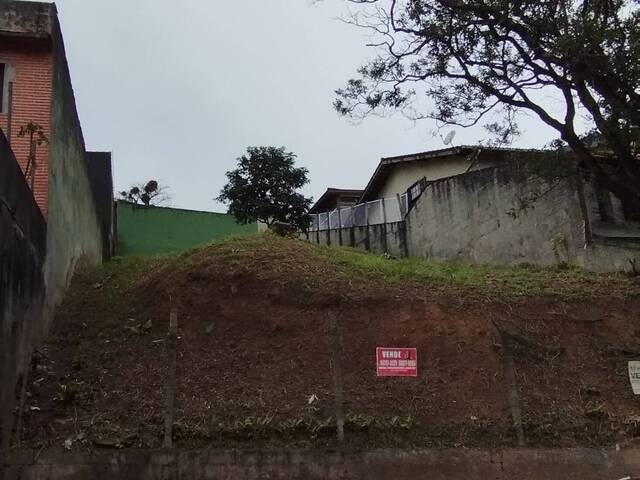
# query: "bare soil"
253,350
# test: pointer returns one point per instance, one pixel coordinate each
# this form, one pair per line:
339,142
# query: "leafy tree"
149,193
473,57
263,188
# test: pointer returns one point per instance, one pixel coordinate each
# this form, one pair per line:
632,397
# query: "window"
414,191
7,74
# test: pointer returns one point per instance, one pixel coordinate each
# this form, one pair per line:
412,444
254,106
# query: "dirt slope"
253,349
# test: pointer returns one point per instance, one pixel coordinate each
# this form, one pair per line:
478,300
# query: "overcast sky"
178,90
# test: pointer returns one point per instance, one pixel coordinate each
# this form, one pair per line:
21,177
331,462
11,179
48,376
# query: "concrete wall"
153,230
449,464
22,252
38,259
383,238
607,255
101,179
465,218
74,230
25,19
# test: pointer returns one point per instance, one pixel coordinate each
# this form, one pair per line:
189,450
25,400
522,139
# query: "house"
396,176
334,198
35,88
397,181
40,122
486,205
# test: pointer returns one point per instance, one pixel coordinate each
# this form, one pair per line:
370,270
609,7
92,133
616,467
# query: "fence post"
512,385
336,360
402,212
352,229
328,229
385,243
367,241
339,226
172,340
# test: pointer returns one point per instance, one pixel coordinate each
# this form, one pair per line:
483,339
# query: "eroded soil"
253,350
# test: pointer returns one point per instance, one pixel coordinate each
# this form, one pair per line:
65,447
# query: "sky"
178,90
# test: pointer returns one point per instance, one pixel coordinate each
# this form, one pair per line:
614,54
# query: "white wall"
403,175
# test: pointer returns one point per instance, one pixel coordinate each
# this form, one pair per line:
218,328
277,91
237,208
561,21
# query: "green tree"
475,57
263,188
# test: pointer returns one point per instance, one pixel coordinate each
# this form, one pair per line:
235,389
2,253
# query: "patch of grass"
521,280
255,251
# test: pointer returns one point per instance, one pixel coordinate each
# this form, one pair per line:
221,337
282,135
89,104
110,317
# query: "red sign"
396,362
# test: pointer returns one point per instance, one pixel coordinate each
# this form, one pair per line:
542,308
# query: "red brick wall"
31,102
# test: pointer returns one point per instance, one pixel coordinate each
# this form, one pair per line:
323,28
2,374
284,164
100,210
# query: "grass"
253,250
520,280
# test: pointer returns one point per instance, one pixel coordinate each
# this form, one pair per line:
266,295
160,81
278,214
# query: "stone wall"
383,238
450,464
74,229
22,252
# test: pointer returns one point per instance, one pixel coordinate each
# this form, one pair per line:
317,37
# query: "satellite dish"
447,140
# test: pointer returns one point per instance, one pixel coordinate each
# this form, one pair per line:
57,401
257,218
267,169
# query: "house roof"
333,192
388,163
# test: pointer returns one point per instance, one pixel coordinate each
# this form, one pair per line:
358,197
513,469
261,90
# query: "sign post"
396,362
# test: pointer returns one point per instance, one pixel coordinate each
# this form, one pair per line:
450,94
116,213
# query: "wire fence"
384,210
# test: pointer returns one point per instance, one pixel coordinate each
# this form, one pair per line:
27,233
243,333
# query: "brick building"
60,216
35,88
26,84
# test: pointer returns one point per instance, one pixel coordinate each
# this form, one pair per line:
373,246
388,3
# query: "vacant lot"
254,363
